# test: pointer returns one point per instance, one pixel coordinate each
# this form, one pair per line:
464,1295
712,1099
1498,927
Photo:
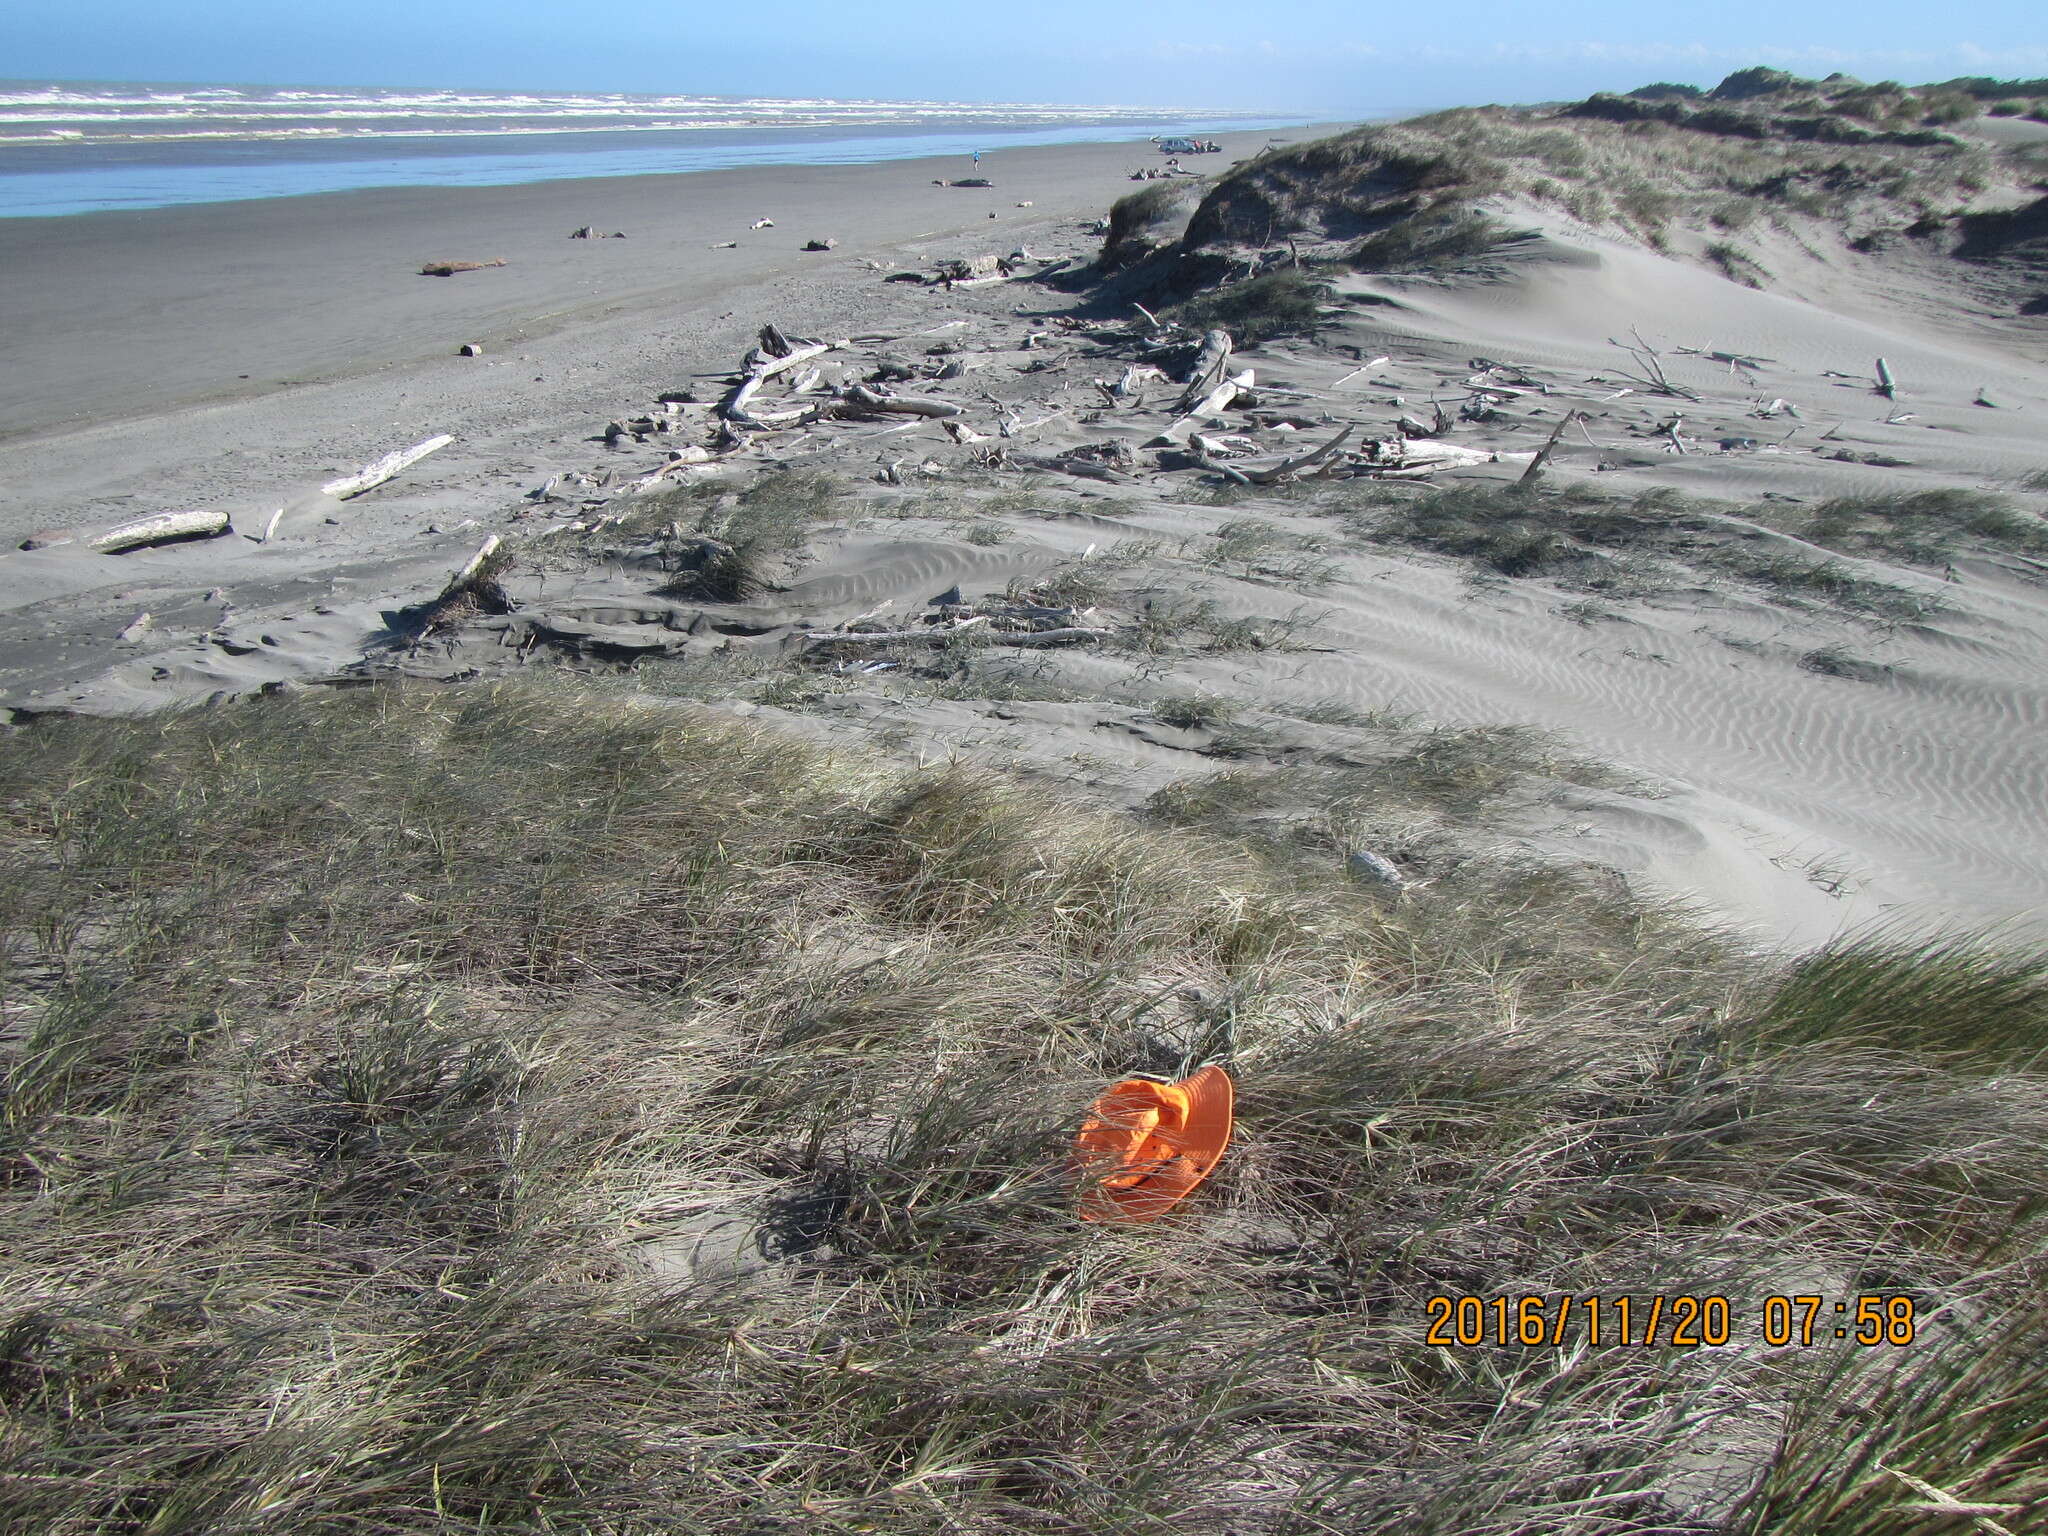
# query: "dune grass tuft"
1287,302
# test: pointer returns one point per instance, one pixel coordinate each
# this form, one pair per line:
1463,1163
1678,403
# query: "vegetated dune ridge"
1834,729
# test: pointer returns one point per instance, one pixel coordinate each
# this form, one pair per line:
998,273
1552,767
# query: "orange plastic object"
1145,1145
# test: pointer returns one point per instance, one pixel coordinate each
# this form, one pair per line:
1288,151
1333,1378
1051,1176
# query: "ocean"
70,148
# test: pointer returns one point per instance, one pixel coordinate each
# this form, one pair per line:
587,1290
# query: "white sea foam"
69,113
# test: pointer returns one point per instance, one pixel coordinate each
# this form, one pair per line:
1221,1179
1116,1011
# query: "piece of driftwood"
450,268
776,354
270,527
1361,368
1649,360
372,475
865,400
1217,399
1134,379
160,528
939,634
1211,366
1287,469
474,564
1535,469
1415,458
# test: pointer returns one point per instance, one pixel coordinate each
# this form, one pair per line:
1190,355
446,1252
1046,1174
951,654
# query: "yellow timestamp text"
1676,1322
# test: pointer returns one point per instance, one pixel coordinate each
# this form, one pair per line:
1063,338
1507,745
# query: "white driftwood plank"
376,474
157,529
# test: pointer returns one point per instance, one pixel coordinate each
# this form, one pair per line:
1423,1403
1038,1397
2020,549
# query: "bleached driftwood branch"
475,563
376,474
1286,469
762,364
1648,358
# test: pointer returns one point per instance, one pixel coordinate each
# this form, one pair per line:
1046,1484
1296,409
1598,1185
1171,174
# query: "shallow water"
67,149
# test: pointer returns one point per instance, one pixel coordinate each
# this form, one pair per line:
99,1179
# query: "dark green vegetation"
1286,302
1141,222
361,1054
724,545
1923,527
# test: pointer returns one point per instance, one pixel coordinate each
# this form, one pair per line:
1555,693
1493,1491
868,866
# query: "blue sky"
1316,56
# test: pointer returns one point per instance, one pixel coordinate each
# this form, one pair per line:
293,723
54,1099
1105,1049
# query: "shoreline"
149,173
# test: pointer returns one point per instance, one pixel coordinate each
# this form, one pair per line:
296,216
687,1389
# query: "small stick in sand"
270,527
1361,368
1886,386
1535,469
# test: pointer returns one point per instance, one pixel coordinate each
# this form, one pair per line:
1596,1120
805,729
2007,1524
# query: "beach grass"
1418,195
1287,302
381,1065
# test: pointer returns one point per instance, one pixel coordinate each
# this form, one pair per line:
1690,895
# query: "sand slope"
1791,800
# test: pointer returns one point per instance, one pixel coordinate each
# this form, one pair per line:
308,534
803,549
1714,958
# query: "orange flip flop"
1145,1145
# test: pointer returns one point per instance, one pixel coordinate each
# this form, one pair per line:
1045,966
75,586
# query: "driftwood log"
158,529
1424,456
865,400
475,563
450,268
376,474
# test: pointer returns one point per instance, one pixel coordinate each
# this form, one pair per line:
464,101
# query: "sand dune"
1794,800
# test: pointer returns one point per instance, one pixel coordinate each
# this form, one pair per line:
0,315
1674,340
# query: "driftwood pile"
1218,420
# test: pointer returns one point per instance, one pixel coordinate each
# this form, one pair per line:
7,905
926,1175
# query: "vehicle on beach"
1188,146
